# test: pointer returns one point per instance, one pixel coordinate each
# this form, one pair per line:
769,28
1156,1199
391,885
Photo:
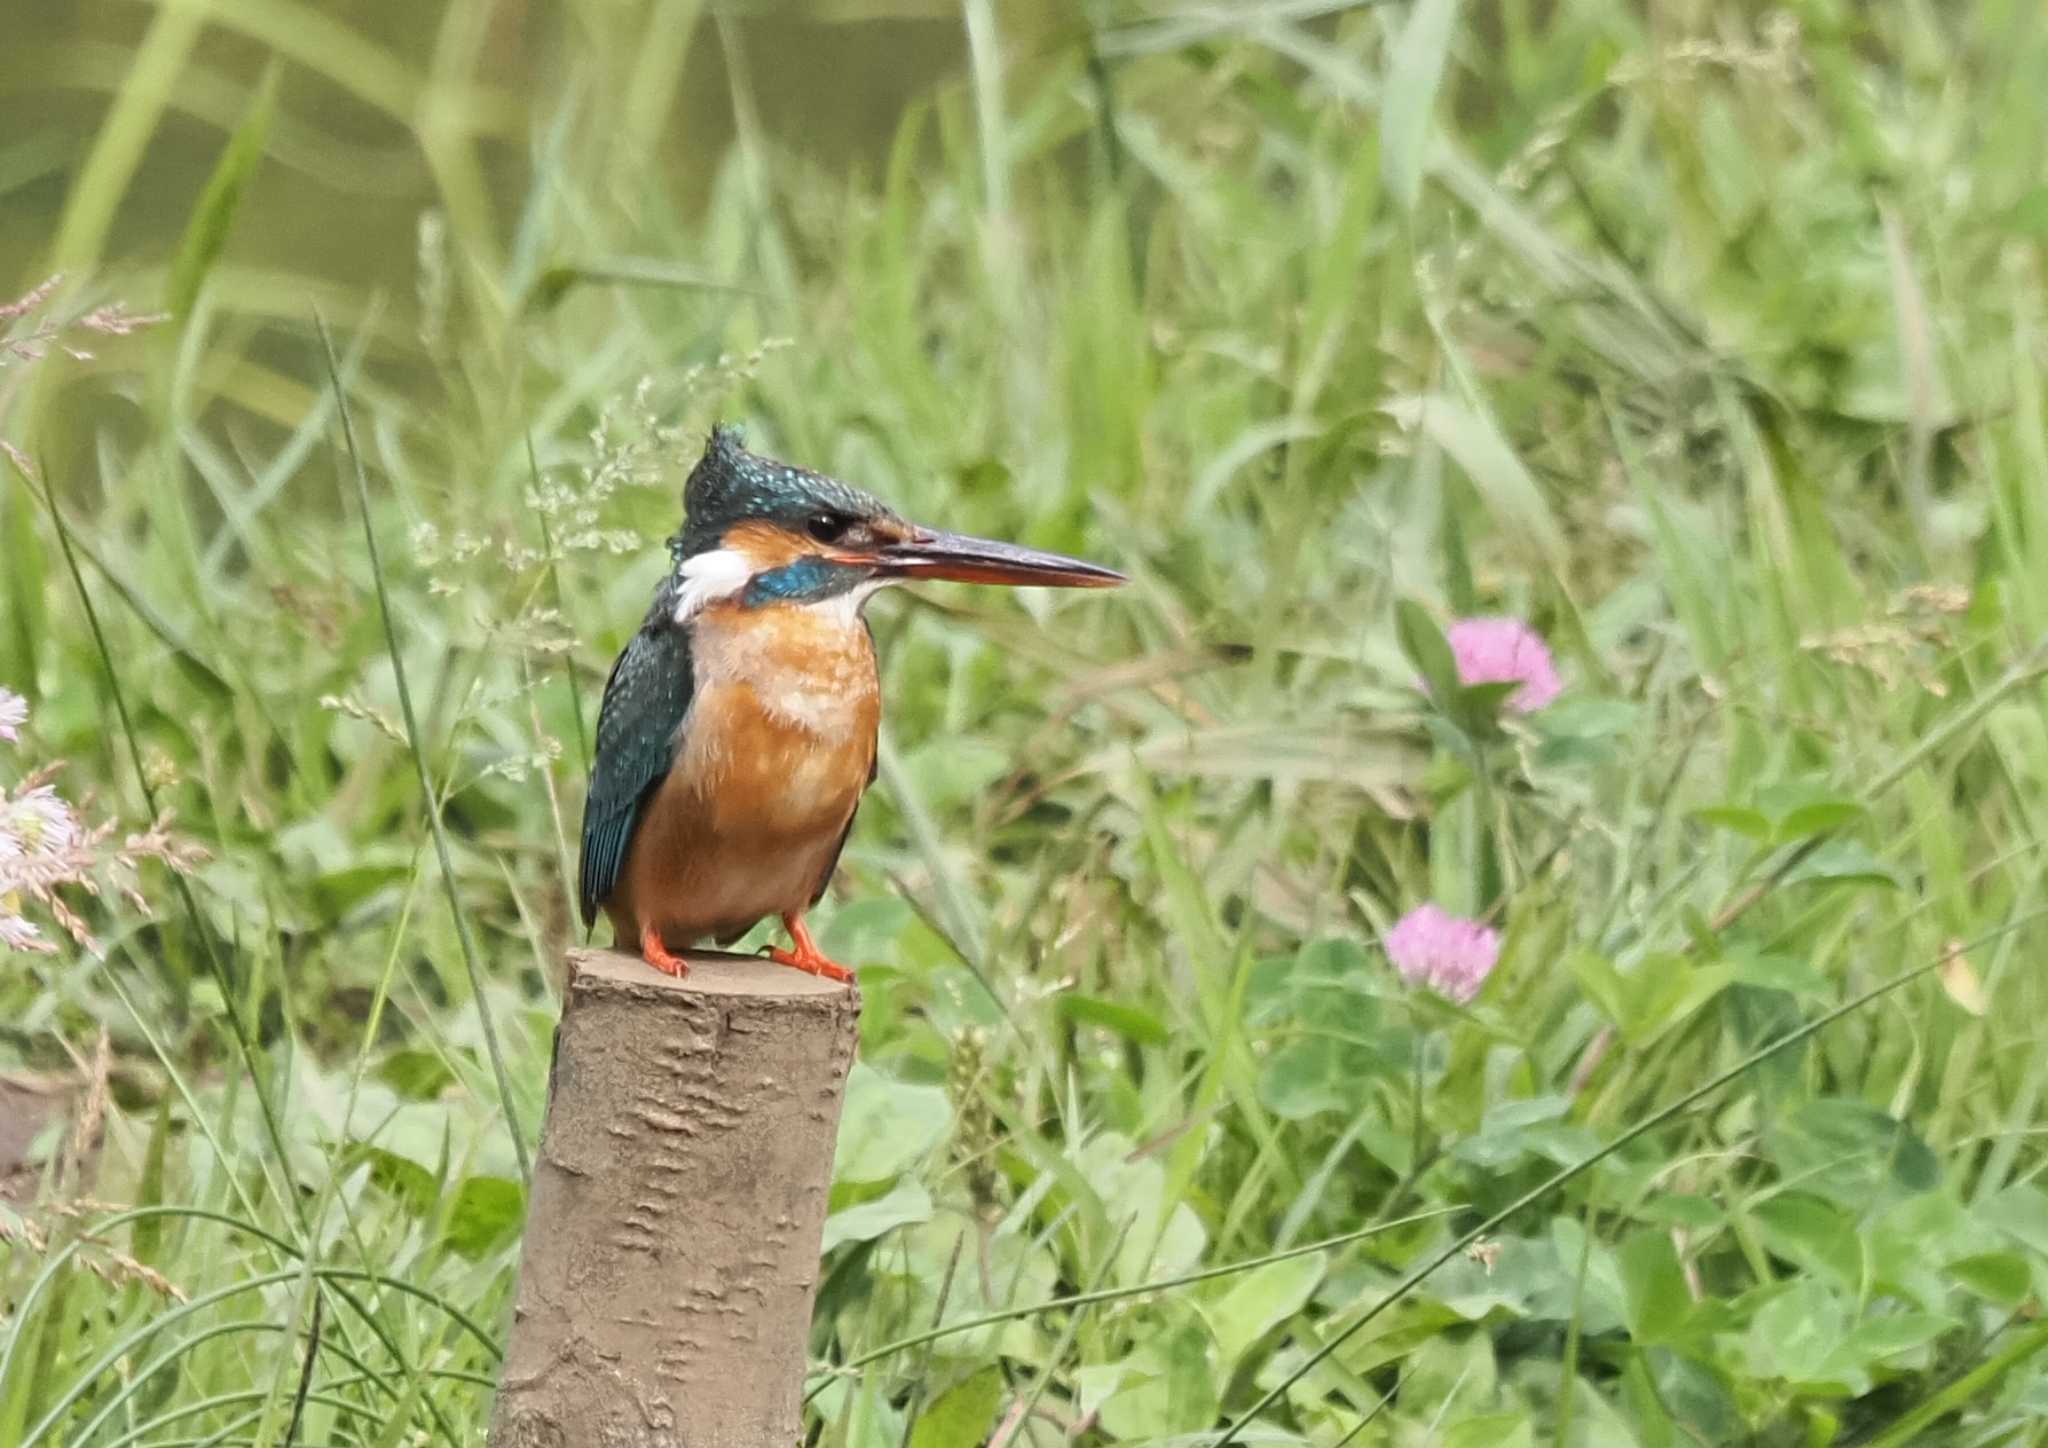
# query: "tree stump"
671,1250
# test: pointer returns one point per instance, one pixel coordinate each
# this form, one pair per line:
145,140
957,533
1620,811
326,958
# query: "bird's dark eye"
826,527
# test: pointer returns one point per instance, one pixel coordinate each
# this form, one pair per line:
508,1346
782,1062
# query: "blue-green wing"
645,700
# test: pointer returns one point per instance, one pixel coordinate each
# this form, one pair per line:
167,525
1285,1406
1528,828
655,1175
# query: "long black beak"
963,559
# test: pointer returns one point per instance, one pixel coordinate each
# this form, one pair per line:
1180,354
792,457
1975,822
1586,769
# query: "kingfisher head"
758,532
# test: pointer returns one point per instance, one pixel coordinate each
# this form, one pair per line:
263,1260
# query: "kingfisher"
737,733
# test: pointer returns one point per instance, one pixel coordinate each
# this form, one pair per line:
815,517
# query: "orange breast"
770,765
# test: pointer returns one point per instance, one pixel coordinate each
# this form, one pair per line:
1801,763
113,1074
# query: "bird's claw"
811,964
654,950
807,957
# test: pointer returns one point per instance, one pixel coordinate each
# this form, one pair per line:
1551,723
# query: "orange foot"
807,957
656,953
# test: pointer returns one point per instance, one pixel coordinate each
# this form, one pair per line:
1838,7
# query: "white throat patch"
845,607
708,577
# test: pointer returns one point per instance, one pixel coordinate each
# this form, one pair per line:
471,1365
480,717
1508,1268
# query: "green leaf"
1876,1338
1447,1378
1749,823
408,1181
1801,807
1526,1111
2021,1213
1589,717
1258,1302
1775,972
1583,732
1793,1336
1659,993
964,1413
1643,1403
1475,442
1602,984
206,234
486,1211
414,1074
1415,70
2000,1277
1336,1043
905,1203
1127,1021
1842,862
1659,1302
1319,1073
1477,707
1329,960
1595,1295
886,1125
998,1268
1395,1150
1428,650
1819,818
1683,1209
1852,1152
556,282
1698,1395
1514,1129
872,1421
1811,1232
1166,1387
1166,1235
1490,1430
1674,989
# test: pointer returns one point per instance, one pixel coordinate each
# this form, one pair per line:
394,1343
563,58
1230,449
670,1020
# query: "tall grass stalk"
429,798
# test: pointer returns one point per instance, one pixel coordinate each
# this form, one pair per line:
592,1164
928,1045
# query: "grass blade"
206,234
412,735
1415,69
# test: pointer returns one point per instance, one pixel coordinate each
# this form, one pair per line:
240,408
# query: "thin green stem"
554,566
427,794
245,1043
1111,1294
1907,1428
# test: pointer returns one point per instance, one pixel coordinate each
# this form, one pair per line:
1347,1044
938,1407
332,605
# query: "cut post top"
712,973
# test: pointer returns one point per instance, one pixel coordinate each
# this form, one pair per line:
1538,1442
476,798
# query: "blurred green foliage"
1706,336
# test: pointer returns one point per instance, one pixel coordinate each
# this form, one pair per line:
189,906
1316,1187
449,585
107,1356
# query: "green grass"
1708,337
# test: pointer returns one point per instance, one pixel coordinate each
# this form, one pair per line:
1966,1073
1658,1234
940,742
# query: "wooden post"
671,1251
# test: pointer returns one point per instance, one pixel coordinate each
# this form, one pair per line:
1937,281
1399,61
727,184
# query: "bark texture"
671,1251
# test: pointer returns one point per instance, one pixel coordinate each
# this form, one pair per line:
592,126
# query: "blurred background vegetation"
1707,336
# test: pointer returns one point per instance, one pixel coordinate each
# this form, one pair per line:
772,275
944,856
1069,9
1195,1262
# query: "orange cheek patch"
766,546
